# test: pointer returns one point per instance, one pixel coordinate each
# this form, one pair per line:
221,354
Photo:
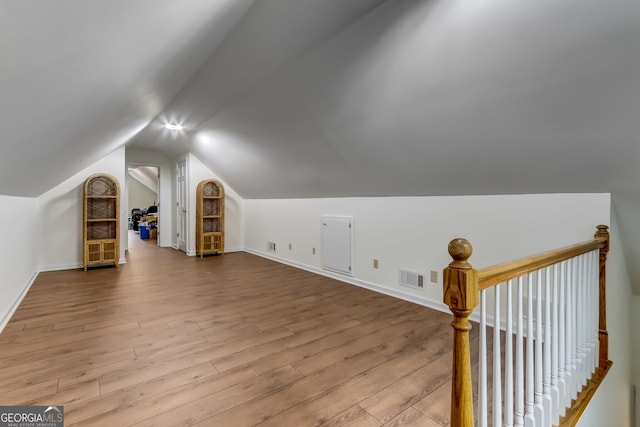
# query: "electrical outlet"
434,276
375,263
313,251
289,246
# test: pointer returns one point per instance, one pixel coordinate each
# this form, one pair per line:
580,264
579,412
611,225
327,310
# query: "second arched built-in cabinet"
210,218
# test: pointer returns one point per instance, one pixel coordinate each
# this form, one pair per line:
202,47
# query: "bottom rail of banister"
578,405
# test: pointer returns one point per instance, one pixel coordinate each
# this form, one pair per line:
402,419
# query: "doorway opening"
143,200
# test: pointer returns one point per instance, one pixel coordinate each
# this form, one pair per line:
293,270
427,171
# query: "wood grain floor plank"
108,402
237,340
238,395
303,390
412,418
352,417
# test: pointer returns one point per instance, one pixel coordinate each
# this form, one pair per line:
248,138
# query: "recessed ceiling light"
171,126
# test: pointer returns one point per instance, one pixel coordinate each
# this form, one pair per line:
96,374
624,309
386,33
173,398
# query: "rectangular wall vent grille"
411,279
271,246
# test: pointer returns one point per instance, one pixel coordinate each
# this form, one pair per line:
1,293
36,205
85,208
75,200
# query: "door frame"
185,222
160,172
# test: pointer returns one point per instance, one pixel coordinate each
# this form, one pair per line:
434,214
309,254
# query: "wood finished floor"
170,340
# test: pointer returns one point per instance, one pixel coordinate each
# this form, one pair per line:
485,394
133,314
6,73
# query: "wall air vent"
411,279
271,246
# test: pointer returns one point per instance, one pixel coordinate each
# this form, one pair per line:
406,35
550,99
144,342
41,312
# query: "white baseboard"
122,261
16,304
424,301
228,251
60,267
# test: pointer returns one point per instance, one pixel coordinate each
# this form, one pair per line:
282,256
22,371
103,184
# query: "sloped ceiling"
80,78
314,98
145,175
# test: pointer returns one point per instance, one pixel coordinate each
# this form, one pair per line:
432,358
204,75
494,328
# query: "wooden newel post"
603,335
461,295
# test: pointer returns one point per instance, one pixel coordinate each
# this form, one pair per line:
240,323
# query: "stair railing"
547,315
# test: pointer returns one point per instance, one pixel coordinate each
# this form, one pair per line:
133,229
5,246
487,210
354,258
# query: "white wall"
611,406
60,215
18,256
413,232
233,232
140,196
166,198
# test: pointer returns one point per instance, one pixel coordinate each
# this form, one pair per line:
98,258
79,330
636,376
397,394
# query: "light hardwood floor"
170,340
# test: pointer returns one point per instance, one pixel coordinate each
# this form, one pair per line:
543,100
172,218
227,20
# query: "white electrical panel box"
337,244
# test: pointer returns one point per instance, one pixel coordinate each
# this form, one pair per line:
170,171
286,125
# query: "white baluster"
596,307
548,342
508,360
482,368
555,347
585,338
573,305
562,341
497,369
593,312
529,418
520,356
569,321
538,352
580,324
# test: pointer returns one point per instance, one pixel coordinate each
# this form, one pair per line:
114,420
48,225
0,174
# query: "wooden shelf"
210,218
100,222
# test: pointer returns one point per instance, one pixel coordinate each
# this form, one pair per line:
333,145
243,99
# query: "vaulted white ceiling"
314,98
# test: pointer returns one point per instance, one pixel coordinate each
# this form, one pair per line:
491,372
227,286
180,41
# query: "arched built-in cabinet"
101,220
210,218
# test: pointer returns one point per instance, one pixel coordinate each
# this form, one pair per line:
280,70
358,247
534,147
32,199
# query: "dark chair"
136,216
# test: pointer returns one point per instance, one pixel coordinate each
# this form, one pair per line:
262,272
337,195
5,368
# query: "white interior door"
181,174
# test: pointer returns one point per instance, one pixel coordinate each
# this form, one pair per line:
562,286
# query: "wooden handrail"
496,274
462,285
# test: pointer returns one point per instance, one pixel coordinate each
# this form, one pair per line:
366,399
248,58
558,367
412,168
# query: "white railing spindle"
538,353
569,321
529,362
555,347
548,340
562,340
575,346
520,356
482,368
497,369
508,360
595,307
580,304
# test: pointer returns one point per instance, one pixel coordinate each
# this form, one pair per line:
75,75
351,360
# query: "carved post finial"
460,250
603,233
